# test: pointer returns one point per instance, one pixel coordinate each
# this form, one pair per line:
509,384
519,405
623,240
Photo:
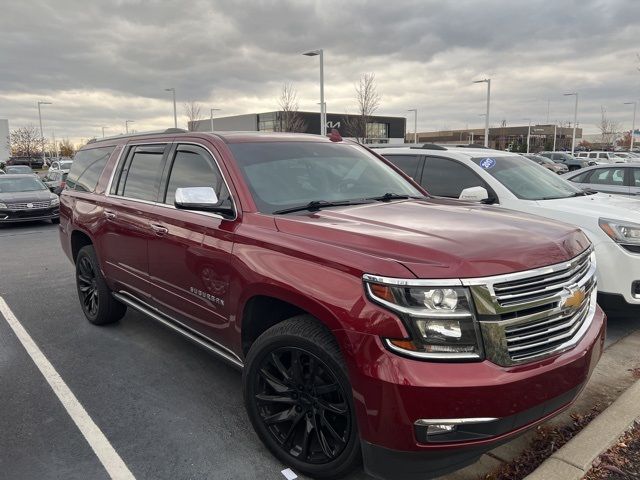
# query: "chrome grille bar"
23,205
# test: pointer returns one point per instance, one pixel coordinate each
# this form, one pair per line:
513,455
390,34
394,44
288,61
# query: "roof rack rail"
139,134
427,146
472,145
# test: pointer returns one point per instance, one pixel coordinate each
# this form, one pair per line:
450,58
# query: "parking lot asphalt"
168,408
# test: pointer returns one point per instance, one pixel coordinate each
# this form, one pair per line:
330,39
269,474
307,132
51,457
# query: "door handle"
110,215
159,229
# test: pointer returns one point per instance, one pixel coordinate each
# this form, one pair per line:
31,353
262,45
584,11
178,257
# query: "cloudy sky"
104,62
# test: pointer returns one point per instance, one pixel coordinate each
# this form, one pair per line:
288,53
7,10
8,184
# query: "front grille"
531,315
541,286
28,205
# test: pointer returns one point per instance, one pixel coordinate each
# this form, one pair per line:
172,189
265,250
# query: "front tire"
298,397
97,303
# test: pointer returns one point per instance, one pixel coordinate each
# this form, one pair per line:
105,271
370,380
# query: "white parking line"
107,455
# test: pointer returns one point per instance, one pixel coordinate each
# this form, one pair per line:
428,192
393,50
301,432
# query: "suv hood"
440,238
598,205
35,196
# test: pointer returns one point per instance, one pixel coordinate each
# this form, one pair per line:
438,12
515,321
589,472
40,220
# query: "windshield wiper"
387,197
316,205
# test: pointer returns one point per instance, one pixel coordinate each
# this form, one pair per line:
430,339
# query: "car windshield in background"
527,180
22,184
284,175
18,169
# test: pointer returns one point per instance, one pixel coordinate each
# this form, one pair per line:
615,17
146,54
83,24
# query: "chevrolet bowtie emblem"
574,298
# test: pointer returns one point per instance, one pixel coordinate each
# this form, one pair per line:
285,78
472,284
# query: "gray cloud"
104,62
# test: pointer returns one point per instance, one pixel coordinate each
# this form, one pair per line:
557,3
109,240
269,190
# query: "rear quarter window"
87,167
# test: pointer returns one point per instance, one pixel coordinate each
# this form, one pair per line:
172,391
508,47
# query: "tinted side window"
635,178
581,178
193,167
139,176
447,178
407,163
607,176
87,168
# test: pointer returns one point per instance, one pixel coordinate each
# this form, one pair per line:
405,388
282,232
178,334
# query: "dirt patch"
622,461
546,441
635,372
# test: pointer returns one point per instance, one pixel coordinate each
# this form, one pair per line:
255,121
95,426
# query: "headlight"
441,319
55,201
3,205
625,233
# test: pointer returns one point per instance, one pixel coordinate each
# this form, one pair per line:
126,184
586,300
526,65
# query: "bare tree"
291,120
26,142
66,148
192,111
609,129
368,101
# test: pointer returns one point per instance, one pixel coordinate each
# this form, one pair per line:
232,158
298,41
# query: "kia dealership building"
380,129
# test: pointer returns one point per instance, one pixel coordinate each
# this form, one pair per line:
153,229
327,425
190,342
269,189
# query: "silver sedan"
620,178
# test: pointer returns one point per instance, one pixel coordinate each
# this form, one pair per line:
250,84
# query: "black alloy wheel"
303,406
96,300
88,287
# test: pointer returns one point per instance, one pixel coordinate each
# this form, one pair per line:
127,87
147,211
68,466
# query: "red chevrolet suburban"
373,323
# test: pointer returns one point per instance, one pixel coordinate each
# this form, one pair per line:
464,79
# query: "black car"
25,198
33,162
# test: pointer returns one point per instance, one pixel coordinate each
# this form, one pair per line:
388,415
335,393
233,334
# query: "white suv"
612,223
601,158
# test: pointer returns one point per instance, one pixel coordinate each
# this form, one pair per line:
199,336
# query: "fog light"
635,289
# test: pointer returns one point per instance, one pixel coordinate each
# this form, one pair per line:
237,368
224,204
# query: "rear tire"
55,221
96,301
298,397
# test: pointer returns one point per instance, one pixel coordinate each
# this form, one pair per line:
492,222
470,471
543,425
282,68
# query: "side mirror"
474,194
200,198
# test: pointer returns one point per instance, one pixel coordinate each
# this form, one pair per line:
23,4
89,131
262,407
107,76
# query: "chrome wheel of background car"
302,405
88,287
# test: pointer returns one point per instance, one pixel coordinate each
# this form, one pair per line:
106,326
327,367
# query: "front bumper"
618,269
391,393
28,215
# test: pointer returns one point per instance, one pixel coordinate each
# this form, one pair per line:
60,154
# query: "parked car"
18,170
369,319
55,181
602,158
1,172
26,198
611,222
629,156
569,160
547,163
33,162
60,166
621,179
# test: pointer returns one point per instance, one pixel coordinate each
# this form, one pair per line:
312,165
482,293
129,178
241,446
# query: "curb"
575,459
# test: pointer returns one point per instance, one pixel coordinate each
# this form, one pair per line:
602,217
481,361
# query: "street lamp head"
312,53
630,103
412,110
172,89
570,94
484,80
45,103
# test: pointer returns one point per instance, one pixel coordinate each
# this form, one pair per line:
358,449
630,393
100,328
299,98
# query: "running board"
185,331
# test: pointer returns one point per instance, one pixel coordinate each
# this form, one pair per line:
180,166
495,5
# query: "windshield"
527,180
18,169
282,175
24,184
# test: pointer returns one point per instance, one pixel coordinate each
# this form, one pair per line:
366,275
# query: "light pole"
555,135
633,124
575,121
323,113
175,113
415,124
126,125
486,120
41,131
213,110
528,133
103,131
